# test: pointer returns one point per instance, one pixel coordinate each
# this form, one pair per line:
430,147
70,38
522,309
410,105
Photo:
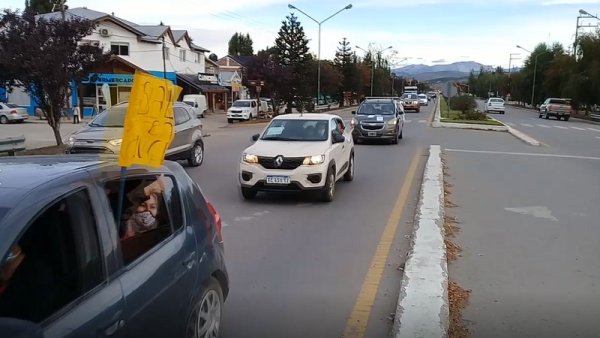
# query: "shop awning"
203,86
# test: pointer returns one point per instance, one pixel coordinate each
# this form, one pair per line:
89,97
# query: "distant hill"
456,70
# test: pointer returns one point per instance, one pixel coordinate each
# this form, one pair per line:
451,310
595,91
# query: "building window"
182,55
166,53
198,57
119,48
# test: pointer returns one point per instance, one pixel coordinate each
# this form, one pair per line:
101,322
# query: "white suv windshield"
241,104
297,130
376,109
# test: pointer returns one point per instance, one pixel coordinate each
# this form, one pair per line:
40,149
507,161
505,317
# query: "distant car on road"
410,101
197,102
245,110
298,152
71,269
494,104
378,119
557,107
423,99
10,112
103,135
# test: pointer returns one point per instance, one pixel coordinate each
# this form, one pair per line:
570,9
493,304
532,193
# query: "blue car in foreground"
70,267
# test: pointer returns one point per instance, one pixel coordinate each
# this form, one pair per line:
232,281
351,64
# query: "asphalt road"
297,266
574,137
530,223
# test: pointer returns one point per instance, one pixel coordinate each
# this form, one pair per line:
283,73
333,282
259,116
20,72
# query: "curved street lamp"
290,6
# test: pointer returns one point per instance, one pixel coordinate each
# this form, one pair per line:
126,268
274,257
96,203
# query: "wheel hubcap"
331,184
198,154
209,316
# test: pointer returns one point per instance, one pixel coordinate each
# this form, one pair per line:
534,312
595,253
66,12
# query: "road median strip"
440,123
422,309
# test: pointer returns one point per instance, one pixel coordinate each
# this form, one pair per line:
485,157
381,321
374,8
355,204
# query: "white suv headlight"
249,158
392,122
314,160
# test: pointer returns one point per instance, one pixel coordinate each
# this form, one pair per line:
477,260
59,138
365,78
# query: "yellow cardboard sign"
149,122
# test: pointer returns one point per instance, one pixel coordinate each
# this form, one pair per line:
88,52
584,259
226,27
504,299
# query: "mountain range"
456,70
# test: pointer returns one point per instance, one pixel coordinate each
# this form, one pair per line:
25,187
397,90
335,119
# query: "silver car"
103,135
12,113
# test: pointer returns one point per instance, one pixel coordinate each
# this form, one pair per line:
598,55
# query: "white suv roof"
306,116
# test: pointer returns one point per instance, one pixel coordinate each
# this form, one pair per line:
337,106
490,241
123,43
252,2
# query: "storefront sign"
211,78
119,79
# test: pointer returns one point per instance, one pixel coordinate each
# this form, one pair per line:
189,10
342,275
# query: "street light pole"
373,62
534,70
582,15
319,23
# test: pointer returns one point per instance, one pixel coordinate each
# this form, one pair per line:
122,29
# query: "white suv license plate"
278,180
372,133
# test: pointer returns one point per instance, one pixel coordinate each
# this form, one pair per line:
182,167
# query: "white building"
156,49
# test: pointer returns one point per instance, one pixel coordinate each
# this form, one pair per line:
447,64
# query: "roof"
147,33
22,173
306,116
214,63
192,80
242,59
178,34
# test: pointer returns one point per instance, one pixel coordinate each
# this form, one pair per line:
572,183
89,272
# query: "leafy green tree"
42,6
45,67
292,52
240,45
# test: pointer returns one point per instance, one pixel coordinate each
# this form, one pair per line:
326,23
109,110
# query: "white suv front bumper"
304,177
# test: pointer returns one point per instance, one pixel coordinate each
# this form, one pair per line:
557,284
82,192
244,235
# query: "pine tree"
41,6
240,44
345,61
292,51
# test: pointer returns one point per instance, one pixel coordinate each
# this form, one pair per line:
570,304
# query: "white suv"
298,152
494,104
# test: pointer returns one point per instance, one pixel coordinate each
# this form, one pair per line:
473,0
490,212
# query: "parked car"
245,110
557,107
103,135
410,101
70,270
298,152
10,112
378,119
423,99
494,104
197,102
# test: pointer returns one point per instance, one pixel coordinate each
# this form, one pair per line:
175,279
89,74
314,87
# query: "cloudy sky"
424,31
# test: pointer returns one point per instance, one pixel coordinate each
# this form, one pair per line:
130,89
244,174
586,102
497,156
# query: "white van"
197,102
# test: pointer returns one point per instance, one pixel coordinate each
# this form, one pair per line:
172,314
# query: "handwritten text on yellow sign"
149,123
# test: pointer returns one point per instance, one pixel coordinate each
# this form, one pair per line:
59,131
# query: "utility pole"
62,8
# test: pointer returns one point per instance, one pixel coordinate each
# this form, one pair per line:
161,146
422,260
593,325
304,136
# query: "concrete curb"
524,137
422,309
468,126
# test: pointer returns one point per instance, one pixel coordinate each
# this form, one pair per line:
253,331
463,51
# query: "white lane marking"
561,127
526,124
509,123
523,154
543,126
408,121
594,129
598,137
223,224
577,128
422,121
537,211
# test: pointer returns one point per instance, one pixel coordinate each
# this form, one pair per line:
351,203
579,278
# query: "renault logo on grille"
278,161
